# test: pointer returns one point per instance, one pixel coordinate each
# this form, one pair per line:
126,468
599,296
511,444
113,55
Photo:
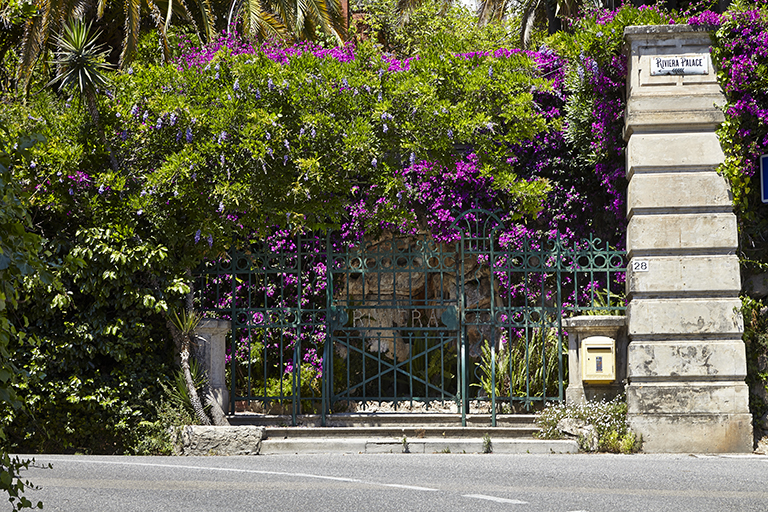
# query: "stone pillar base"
694,433
212,352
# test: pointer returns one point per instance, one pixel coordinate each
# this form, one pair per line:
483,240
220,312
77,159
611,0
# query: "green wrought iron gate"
393,326
476,322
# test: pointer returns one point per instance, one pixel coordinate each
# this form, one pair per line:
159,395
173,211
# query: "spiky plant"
80,65
40,30
184,325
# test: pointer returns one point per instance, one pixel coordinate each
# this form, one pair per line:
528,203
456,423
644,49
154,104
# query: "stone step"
253,440
406,420
347,445
399,432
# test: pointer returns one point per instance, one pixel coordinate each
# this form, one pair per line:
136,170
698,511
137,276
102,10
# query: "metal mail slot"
598,360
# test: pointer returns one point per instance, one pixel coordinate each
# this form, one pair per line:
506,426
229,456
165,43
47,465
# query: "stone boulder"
580,430
209,440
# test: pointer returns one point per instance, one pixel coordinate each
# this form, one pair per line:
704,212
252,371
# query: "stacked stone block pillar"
686,360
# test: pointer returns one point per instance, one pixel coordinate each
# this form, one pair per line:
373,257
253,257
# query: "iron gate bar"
316,296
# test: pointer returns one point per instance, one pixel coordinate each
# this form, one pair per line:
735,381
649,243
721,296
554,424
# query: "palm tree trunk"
219,418
193,396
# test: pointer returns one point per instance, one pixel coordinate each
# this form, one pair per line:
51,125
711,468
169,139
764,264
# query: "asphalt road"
437,482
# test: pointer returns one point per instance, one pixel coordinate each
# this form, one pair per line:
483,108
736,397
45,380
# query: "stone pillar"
212,353
583,327
686,360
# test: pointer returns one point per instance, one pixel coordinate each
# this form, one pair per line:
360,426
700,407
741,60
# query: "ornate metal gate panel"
316,327
276,298
514,292
394,324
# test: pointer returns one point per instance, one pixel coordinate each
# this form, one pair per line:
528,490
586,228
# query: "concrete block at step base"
210,440
694,433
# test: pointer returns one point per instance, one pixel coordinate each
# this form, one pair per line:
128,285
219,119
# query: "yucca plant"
80,65
184,325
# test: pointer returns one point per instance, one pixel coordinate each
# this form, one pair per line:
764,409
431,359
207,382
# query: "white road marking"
494,498
254,471
412,487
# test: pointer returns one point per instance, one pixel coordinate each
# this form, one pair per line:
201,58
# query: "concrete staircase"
401,433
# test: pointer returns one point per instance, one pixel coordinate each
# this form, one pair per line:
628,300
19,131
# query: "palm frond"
157,17
132,27
261,23
36,34
168,16
75,9
490,11
326,14
531,12
207,17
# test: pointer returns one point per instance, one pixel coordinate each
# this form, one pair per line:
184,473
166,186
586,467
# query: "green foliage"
756,342
195,168
20,266
104,345
174,410
432,25
13,484
609,419
523,368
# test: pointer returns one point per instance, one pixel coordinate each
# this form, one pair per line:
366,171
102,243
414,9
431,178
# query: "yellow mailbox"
598,360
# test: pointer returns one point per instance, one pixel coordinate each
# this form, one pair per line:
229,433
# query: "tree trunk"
183,342
193,396
219,418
